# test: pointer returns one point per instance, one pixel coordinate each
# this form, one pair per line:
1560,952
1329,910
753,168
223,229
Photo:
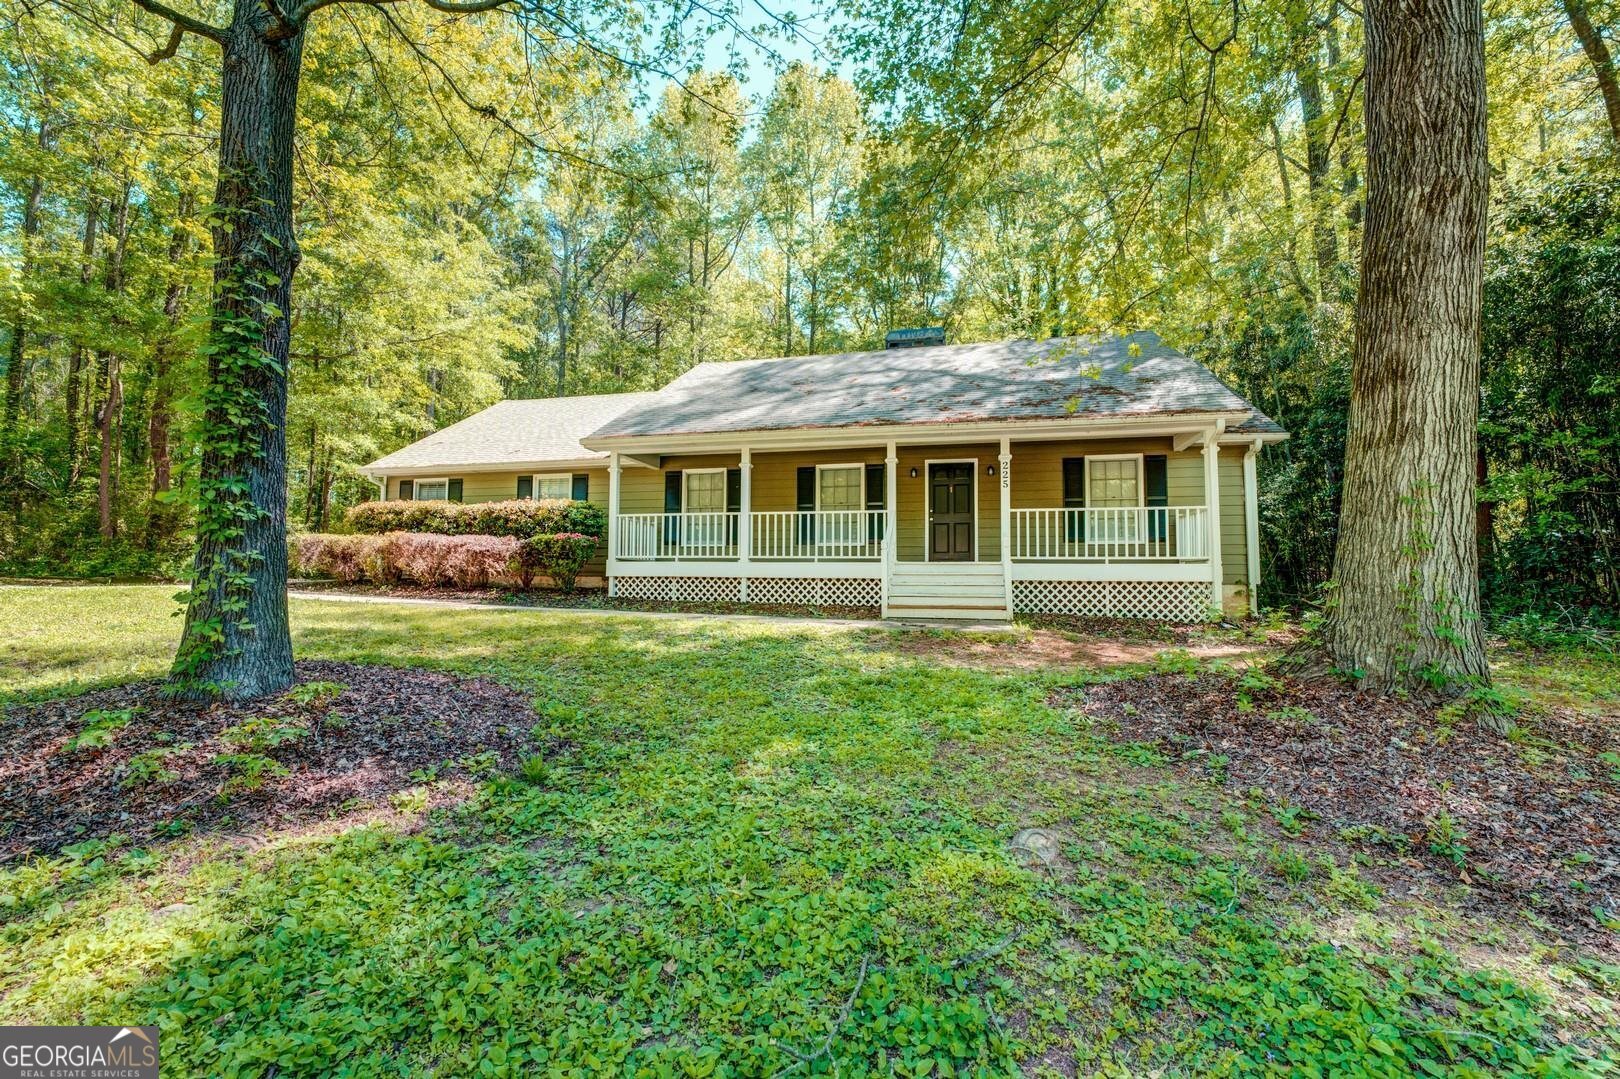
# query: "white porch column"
1004,474
1212,512
891,518
745,521
613,520
1251,522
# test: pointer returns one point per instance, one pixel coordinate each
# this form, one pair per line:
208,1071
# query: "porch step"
957,591
956,612
976,592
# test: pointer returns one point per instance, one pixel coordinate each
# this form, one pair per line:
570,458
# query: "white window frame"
686,489
703,536
823,537
928,493
538,476
859,466
1141,475
416,488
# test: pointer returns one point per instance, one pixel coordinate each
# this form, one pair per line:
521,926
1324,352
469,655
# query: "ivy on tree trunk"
236,642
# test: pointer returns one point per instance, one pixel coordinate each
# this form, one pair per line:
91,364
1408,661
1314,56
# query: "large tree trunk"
1597,54
236,641
1405,612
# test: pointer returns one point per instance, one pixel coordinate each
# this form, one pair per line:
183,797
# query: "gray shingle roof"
1138,375
513,433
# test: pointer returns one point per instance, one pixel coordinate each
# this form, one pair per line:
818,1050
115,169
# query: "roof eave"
379,469
914,433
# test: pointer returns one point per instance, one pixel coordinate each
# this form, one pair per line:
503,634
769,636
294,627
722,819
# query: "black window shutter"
582,487
874,501
1156,487
807,504
672,505
454,490
1074,498
407,488
525,487
733,501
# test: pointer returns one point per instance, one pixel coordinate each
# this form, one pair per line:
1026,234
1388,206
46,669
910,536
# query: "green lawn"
769,849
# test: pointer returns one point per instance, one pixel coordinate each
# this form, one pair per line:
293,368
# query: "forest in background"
480,221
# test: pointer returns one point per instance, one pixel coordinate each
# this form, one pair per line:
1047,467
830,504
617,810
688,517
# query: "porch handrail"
818,535
1111,534
693,536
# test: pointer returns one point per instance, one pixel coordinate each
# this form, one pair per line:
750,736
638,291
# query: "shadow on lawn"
761,846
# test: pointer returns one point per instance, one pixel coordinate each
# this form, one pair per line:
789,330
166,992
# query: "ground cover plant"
762,849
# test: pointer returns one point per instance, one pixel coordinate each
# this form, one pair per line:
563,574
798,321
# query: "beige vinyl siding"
498,486
911,531
1234,544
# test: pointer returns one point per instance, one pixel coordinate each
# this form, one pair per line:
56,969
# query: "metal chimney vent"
914,338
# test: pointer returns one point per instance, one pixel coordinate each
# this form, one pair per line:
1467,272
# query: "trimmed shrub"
319,554
424,558
482,560
520,517
559,554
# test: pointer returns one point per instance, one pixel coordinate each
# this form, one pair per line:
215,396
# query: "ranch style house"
1109,476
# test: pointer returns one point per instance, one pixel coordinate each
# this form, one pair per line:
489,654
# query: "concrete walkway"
802,622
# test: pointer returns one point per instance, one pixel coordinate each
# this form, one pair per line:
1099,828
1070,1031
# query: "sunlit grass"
749,826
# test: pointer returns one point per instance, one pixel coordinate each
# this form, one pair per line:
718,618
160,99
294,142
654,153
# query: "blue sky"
757,69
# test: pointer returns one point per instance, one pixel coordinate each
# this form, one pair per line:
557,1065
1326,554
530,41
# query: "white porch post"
1212,512
1251,522
745,522
613,520
891,515
1004,473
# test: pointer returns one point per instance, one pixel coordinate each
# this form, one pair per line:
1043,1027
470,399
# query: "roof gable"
512,433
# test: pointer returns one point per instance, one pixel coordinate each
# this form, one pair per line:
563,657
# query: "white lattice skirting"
817,591
682,589
1170,601
803,591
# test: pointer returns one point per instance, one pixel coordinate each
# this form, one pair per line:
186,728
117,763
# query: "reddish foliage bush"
423,558
517,517
482,560
321,555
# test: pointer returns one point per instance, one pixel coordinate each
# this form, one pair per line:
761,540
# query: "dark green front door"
950,513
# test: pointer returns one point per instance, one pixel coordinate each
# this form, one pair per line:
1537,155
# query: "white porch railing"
652,536
1129,534
790,536
819,536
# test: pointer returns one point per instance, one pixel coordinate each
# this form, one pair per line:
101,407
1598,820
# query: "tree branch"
450,7
169,49
184,23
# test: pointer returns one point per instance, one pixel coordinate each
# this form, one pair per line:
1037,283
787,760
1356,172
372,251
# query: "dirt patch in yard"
1038,649
1532,819
131,761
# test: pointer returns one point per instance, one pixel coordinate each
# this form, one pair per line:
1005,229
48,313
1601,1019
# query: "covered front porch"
929,527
